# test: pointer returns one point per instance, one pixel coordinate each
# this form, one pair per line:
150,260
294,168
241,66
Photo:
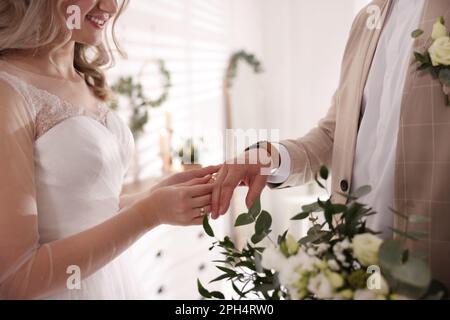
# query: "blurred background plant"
131,89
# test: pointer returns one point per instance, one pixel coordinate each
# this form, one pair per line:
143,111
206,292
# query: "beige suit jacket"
422,177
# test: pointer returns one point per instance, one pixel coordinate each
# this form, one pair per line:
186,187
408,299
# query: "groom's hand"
251,169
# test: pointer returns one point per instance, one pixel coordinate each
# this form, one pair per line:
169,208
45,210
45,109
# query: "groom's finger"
256,187
230,183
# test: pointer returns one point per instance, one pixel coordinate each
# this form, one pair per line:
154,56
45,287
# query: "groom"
388,127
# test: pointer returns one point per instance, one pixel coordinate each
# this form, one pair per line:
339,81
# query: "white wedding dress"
80,160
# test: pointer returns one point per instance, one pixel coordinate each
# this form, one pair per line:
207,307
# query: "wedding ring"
213,178
203,211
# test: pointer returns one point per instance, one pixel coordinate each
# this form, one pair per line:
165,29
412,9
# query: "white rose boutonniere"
436,58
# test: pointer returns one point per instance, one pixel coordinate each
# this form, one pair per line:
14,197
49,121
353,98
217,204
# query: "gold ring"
213,178
203,211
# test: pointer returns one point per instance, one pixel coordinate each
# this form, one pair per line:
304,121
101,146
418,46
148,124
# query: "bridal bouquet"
339,258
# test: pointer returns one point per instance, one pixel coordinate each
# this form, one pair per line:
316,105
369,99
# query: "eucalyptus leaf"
257,238
243,220
301,216
444,76
414,272
418,218
236,289
217,295
413,235
324,173
255,209
263,223
207,227
282,238
312,207
203,292
362,191
248,264
219,278
227,271
399,214
390,254
417,33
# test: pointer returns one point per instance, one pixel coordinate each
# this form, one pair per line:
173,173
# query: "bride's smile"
95,17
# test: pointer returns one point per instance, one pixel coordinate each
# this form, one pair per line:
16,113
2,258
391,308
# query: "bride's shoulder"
14,97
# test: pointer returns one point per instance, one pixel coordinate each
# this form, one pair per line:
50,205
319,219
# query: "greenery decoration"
335,260
132,89
241,55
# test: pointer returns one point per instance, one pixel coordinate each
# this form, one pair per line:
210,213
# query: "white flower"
339,248
336,279
321,286
346,294
378,284
365,294
440,52
294,266
322,248
333,265
272,259
366,247
292,245
439,30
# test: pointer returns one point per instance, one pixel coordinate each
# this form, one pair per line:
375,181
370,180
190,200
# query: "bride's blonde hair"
34,24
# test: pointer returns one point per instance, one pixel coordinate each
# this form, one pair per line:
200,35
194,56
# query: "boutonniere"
436,58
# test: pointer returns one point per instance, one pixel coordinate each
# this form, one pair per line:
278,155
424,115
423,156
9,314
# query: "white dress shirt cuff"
281,174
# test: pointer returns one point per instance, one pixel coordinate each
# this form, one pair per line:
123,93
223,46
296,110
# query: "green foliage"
206,226
439,72
406,273
189,153
132,90
242,55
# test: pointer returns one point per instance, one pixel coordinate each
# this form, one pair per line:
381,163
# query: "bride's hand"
181,205
187,176
175,179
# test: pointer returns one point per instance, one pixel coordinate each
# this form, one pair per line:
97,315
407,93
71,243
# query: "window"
192,37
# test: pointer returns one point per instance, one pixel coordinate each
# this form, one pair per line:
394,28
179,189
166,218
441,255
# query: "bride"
63,160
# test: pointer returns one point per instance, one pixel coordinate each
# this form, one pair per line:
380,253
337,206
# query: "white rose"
294,266
440,52
292,245
333,265
336,279
383,286
365,294
321,286
439,30
272,259
366,247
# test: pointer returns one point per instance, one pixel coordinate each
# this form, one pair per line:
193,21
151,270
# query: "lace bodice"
62,169
48,109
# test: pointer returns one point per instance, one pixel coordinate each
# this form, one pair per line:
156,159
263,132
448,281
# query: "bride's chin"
91,41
